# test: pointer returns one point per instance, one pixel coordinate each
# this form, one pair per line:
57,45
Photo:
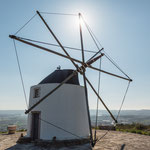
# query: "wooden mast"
85,86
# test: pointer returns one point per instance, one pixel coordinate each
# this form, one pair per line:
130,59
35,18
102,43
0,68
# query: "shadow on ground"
31,146
122,147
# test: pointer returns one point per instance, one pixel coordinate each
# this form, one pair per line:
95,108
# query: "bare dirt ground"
114,140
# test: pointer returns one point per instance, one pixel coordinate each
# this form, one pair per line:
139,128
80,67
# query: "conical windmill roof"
59,75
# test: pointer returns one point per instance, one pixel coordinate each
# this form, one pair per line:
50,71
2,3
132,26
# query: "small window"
36,92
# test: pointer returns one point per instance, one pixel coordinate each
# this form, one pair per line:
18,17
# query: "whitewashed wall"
65,108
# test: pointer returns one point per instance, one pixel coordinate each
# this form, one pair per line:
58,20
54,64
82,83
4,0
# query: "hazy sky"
122,27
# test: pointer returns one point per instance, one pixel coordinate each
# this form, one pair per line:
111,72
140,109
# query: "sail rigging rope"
91,33
118,113
99,81
111,60
106,55
102,136
43,13
89,30
123,100
20,72
51,44
115,64
52,124
62,14
25,24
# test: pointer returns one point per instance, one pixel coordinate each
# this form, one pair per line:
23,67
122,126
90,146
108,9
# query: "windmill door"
35,129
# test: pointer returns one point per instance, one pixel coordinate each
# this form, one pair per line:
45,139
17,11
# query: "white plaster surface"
65,108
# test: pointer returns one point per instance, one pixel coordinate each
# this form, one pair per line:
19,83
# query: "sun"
77,21
80,20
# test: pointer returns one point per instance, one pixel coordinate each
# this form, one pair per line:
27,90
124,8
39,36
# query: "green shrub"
133,131
138,131
134,128
140,126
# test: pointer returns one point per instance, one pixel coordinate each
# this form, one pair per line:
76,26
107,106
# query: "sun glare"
80,21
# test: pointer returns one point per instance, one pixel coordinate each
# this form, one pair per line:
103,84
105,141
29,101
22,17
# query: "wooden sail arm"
94,59
96,53
56,39
112,74
59,54
101,99
20,39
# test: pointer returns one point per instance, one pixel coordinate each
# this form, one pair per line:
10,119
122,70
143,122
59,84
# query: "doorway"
35,128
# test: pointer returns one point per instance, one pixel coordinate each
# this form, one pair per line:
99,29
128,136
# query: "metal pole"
85,86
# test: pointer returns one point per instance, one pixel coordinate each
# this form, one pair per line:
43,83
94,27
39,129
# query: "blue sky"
122,27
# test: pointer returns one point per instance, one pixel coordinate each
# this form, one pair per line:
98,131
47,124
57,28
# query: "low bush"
134,128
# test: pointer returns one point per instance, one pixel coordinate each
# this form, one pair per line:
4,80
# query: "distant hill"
16,117
19,118
142,112
126,116
20,112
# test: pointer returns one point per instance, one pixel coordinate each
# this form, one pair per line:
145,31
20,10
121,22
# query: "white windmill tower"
66,108
58,106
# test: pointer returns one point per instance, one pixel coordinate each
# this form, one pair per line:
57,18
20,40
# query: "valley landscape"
17,117
108,140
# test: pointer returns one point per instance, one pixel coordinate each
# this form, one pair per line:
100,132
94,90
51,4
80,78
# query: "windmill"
80,68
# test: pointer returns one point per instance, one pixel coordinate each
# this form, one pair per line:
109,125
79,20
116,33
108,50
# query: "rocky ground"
114,140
